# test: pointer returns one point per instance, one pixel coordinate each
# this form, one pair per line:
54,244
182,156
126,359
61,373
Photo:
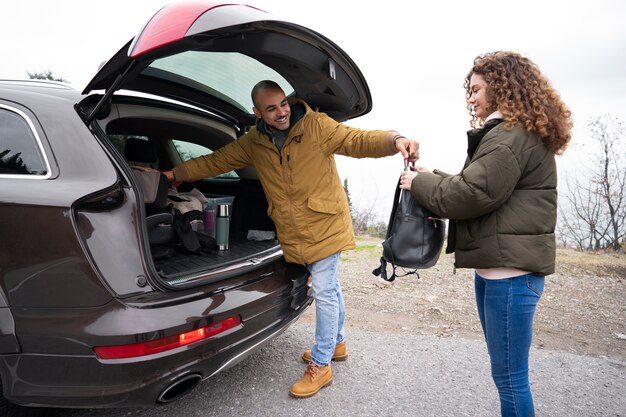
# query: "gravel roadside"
395,375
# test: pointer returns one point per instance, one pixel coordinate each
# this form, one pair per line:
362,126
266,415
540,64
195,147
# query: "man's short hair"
263,85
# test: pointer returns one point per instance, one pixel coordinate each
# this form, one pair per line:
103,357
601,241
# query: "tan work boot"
340,354
315,378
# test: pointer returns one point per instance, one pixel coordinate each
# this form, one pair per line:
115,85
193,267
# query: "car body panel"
8,340
68,279
139,381
42,209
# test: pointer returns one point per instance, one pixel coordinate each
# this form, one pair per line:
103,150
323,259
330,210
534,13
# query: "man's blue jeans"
506,308
329,308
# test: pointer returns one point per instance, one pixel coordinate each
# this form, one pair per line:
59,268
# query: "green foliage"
345,188
365,247
45,75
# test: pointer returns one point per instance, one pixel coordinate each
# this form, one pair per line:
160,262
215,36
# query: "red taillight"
166,343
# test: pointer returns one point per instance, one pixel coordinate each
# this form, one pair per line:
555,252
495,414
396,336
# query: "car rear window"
229,76
20,148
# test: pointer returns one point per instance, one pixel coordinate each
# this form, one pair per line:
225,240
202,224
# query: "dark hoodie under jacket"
502,206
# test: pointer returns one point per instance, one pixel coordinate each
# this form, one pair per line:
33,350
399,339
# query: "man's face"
272,107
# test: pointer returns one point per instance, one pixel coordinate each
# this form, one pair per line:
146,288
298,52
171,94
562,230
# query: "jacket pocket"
324,206
324,219
466,234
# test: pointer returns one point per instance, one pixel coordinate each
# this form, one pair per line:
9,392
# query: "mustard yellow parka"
306,198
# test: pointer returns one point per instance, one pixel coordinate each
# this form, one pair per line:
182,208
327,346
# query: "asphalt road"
394,375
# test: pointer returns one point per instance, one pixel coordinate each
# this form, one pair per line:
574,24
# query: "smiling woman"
502,207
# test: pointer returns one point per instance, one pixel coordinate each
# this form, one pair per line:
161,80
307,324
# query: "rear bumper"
87,382
56,366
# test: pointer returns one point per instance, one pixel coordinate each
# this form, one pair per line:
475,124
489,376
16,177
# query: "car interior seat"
154,186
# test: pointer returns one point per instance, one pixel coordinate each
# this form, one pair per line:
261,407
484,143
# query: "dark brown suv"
93,311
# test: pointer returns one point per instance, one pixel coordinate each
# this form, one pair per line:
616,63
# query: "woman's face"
478,96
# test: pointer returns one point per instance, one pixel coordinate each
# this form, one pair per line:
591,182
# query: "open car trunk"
202,60
166,133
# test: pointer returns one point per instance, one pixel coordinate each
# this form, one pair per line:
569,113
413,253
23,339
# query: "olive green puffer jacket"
502,205
306,198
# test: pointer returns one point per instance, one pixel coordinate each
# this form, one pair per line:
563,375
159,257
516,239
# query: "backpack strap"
382,269
394,209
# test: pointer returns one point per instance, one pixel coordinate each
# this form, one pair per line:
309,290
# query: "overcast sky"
414,59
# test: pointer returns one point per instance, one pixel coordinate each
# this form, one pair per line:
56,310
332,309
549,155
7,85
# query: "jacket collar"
495,115
474,136
298,109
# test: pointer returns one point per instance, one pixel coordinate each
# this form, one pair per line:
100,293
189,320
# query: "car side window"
188,150
137,149
20,151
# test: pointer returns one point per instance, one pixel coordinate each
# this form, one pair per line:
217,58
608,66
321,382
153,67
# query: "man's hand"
409,148
168,174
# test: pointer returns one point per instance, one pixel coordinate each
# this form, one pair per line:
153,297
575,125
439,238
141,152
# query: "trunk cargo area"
240,249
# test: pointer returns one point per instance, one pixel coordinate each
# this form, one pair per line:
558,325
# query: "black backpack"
414,237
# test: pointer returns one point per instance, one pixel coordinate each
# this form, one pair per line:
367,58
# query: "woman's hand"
406,178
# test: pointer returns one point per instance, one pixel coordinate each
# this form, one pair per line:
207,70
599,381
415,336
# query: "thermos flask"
222,226
208,218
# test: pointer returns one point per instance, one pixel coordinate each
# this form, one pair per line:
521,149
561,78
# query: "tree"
12,163
594,213
345,188
364,216
45,75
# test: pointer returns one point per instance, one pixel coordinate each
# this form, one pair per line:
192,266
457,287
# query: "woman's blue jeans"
506,308
329,308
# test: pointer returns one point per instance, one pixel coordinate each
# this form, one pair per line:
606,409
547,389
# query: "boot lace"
312,370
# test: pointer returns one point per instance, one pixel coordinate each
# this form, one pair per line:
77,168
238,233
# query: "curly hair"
516,88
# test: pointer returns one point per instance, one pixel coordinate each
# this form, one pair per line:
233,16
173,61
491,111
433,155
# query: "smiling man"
292,148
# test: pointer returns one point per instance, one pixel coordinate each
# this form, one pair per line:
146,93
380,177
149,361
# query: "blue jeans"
506,308
329,308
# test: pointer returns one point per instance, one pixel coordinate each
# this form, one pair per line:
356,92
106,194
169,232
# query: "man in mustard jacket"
292,149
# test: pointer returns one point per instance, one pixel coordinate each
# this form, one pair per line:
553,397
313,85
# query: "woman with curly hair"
502,208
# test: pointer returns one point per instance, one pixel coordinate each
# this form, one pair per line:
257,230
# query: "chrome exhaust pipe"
179,388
